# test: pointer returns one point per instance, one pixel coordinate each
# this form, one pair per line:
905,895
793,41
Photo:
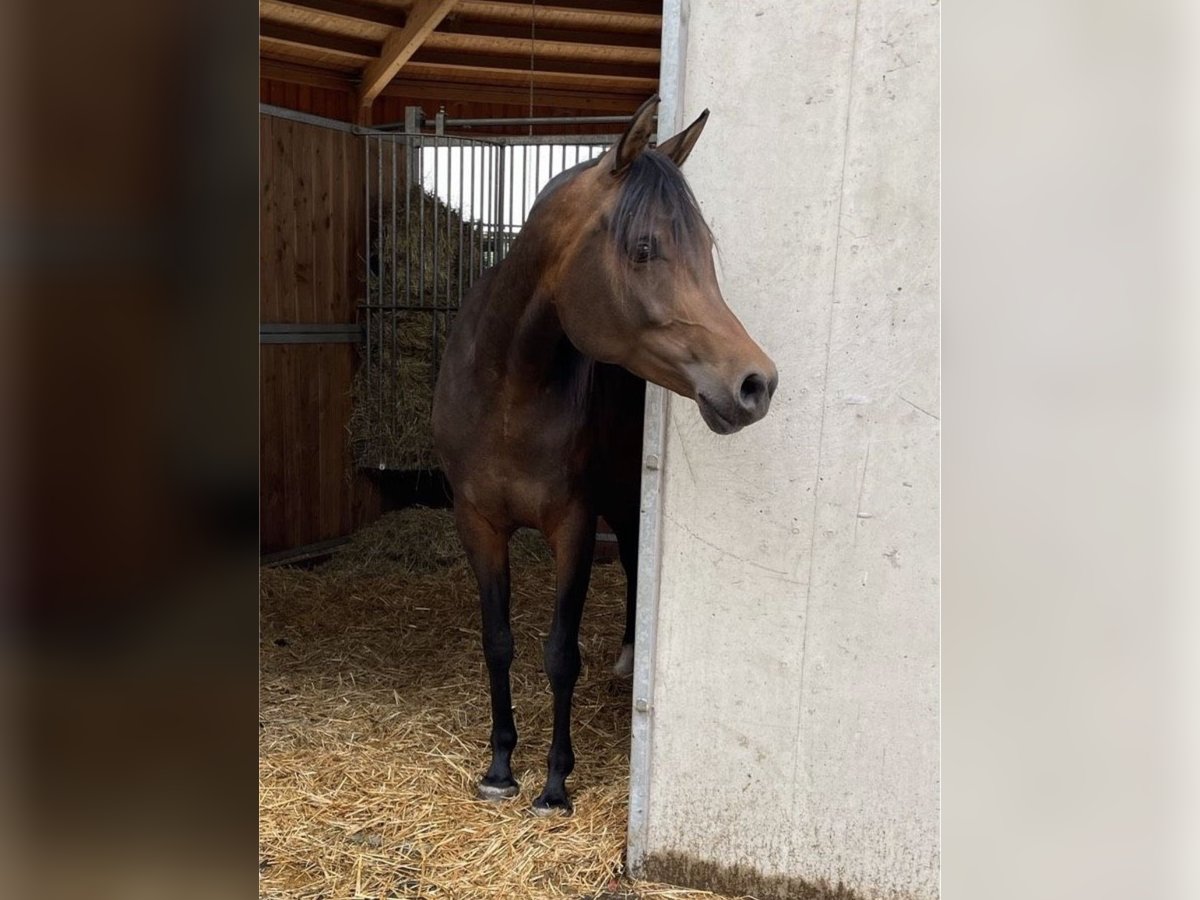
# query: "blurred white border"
1071,524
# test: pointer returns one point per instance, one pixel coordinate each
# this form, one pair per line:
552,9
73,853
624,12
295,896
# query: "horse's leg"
627,546
487,552
573,542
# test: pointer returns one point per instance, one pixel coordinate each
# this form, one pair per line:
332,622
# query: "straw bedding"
375,720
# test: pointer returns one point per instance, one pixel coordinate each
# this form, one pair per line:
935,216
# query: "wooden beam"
393,18
293,73
653,7
581,101
318,40
543,47
499,76
400,46
519,65
555,16
458,25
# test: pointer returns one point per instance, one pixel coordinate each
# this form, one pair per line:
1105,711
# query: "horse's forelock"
654,189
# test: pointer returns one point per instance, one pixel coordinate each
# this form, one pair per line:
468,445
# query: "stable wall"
310,246
793,677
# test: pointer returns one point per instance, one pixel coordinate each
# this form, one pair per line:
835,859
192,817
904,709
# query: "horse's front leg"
573,542
627,547
487,552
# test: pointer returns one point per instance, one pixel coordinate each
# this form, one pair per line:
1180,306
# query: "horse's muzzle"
726,410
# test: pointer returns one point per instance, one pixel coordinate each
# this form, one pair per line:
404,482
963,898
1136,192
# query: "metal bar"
309,328
412,118
533,141
305,552
409,181
524,185
310,337
392,314
366,360
280,112
674,44
475,217
534,120
379,270
437,271
498,220
420,121
462,218
407,307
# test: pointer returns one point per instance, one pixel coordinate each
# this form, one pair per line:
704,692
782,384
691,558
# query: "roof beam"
400,46
459,25
318,40
393,18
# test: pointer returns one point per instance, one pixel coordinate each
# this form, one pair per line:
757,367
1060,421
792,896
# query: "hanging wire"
532,40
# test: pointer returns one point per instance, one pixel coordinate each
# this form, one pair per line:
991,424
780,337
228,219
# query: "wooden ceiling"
596,55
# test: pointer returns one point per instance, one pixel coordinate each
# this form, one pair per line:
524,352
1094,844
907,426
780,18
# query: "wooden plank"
268,295
518,64
277,33
330,455
405,92
400,46
294,73
307,442
339,145
354,247
302,136
576,102
322,240
334,62
638,18
455,24
340,371
453,73
272,535
283,219
335,16
607,6
289,474
543,47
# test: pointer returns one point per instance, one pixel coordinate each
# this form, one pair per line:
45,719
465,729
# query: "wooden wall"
311,233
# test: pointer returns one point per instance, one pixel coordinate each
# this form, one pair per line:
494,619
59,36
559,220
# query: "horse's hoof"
624,664
494,792
555,807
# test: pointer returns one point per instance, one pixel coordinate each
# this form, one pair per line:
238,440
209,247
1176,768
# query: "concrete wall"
792,735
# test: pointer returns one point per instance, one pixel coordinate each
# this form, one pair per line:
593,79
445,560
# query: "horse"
538,406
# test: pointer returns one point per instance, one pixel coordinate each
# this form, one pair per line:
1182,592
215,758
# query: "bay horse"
537,413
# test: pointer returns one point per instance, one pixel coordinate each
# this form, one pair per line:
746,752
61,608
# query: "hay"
375,720
425,257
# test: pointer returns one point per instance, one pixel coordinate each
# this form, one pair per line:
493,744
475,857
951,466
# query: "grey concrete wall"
793,723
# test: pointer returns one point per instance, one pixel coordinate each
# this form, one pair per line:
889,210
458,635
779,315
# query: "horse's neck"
522,332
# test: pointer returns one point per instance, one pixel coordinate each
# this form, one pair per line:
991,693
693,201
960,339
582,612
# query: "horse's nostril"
754,390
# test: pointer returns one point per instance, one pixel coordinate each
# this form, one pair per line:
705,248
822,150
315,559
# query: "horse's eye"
643,251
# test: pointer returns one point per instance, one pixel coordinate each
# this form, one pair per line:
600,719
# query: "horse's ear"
635,139
680,146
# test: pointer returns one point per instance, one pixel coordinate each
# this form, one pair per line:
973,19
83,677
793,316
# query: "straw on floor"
374,724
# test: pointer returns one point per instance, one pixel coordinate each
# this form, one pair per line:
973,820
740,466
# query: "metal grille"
439,211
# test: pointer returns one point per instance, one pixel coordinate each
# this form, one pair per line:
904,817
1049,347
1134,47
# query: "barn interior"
374,704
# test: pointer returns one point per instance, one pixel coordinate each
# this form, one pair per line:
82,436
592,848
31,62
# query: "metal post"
413,117
654,442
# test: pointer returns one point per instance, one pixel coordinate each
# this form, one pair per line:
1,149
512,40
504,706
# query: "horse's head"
634,283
